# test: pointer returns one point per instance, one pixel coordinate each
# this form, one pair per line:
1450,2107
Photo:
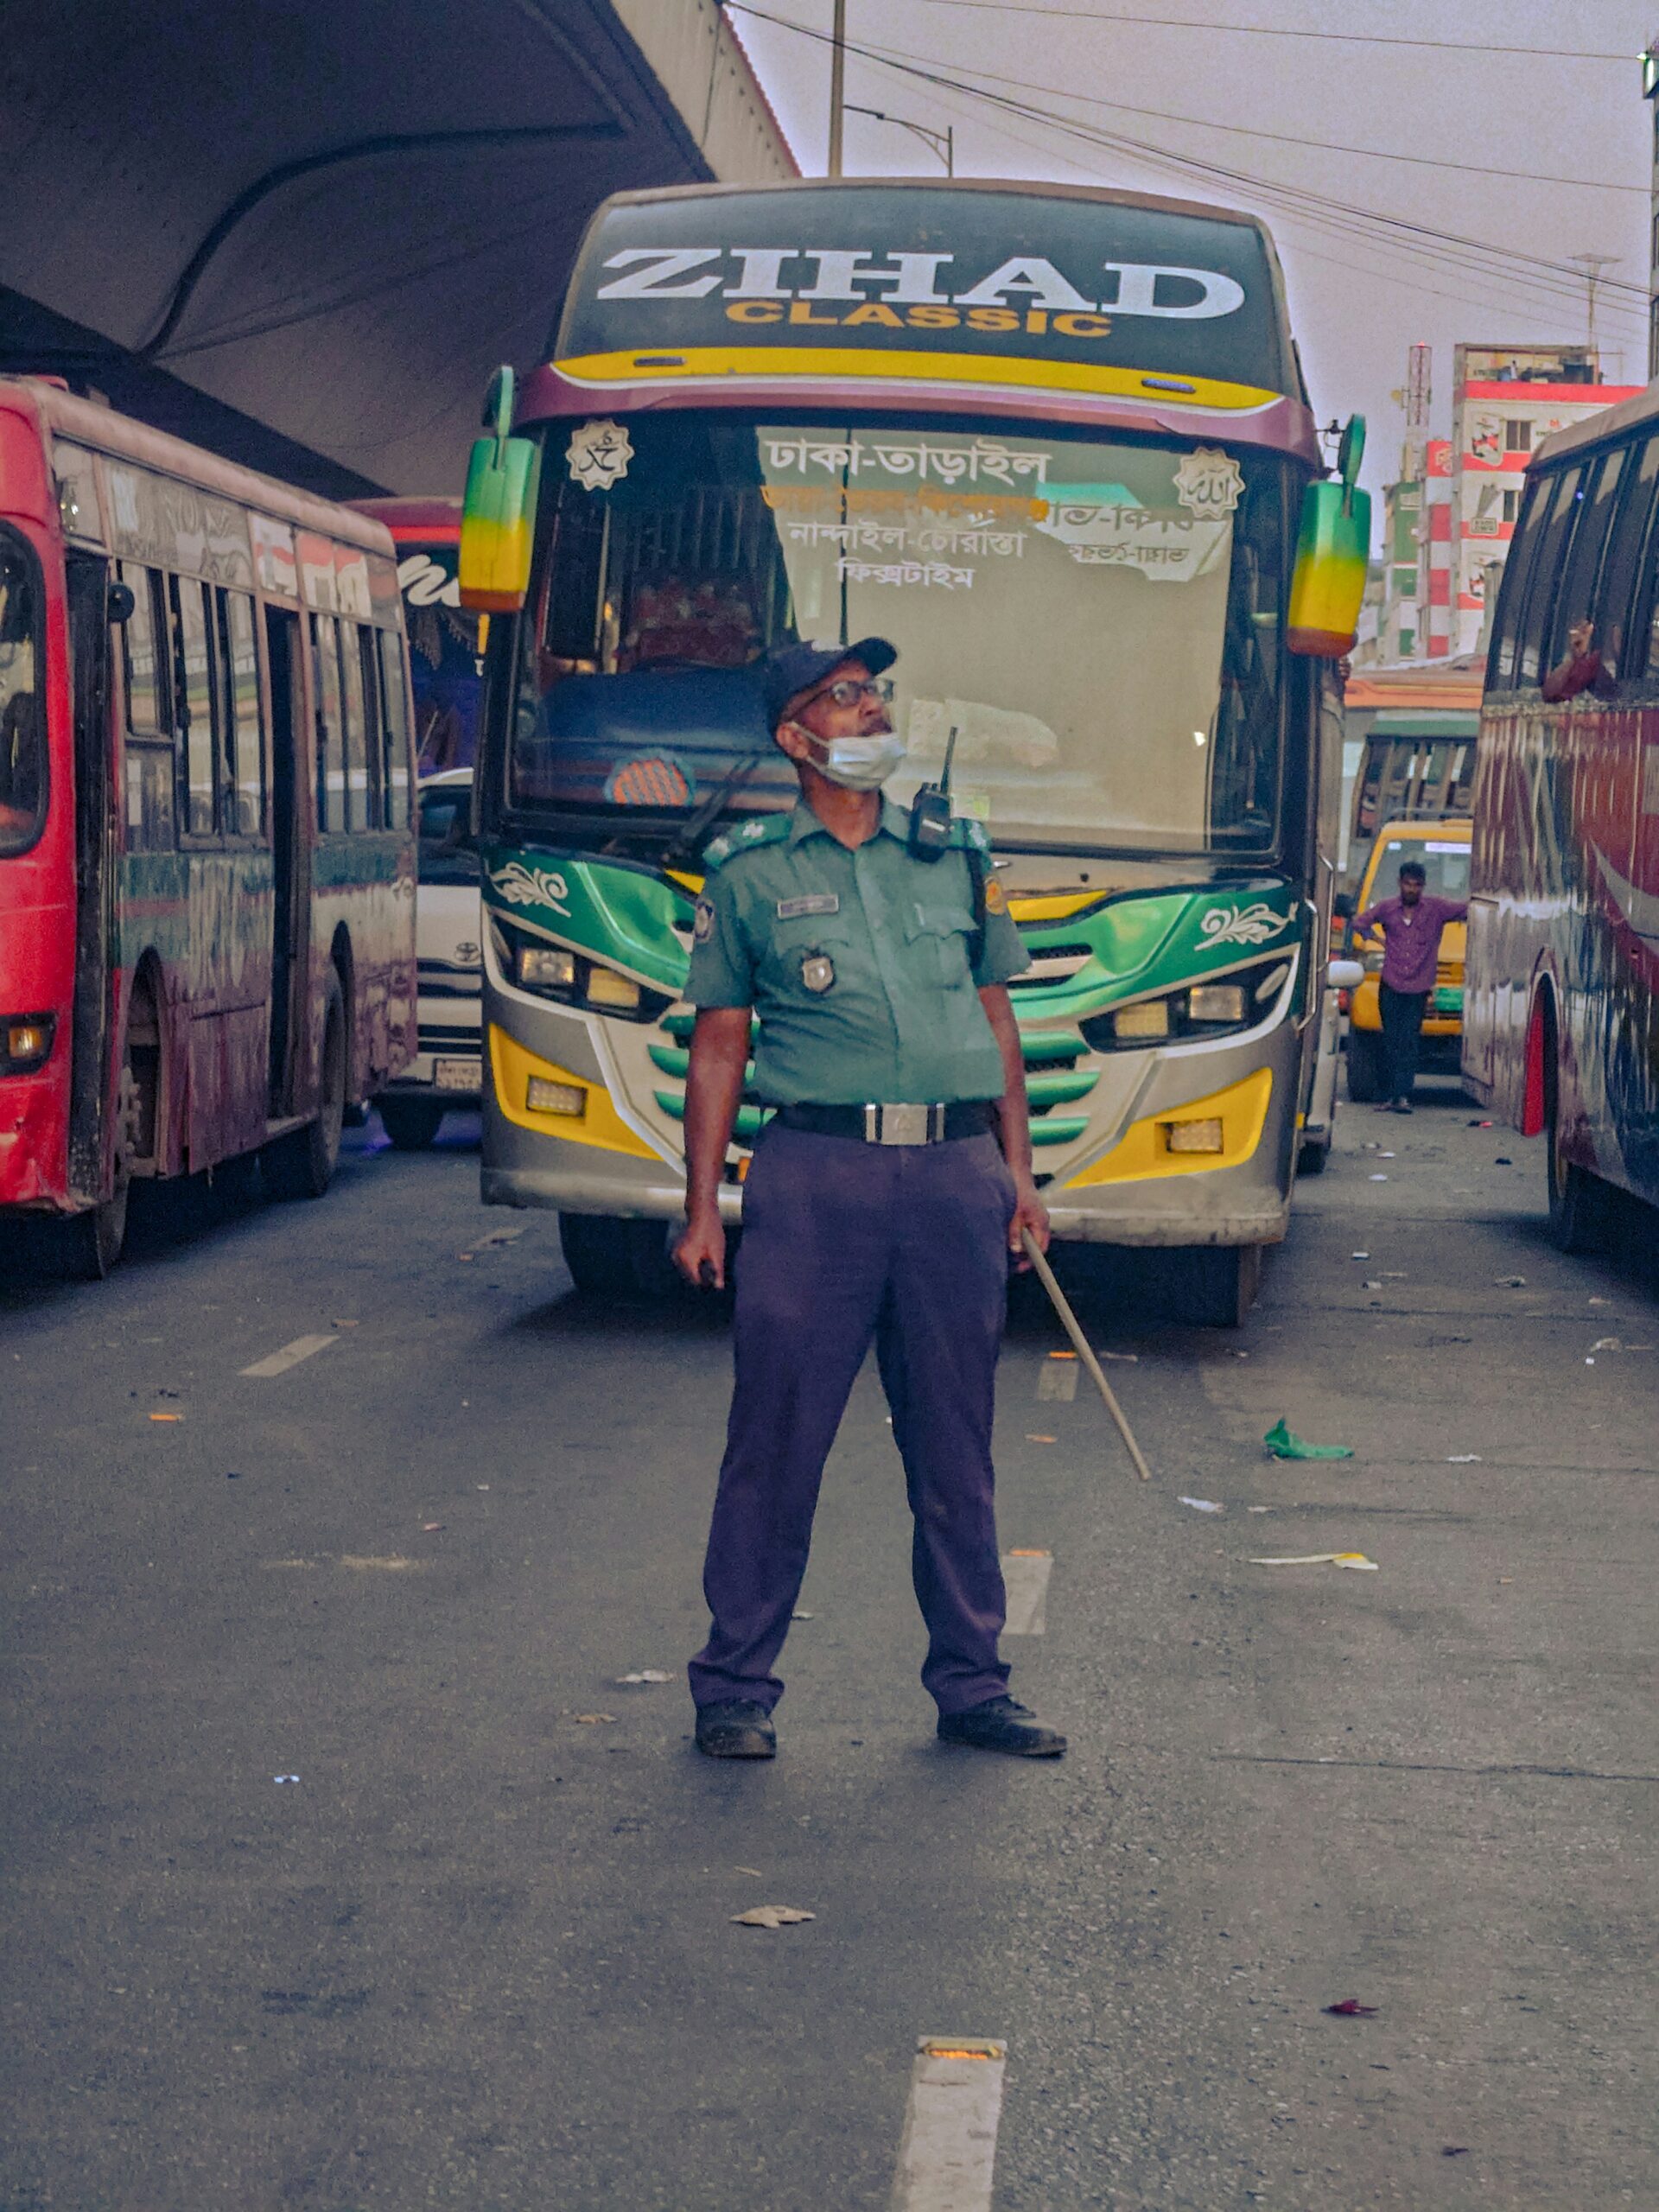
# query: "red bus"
207,855
1561,992
445,638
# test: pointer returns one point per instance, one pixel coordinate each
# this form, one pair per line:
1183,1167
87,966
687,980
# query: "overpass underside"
305,236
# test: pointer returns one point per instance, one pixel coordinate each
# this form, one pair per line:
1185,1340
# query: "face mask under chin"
858,764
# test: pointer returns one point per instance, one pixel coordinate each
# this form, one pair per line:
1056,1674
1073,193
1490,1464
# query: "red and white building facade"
1506,400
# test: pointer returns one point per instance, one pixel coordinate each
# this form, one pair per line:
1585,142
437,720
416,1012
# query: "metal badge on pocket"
818,973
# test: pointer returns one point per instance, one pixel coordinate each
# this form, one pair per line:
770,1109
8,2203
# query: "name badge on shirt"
811,902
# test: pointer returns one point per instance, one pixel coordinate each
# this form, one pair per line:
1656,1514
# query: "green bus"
1054,444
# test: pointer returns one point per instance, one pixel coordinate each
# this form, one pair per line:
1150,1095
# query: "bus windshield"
1444,861
1098,623
22,717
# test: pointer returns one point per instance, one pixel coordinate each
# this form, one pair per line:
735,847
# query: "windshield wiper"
686,847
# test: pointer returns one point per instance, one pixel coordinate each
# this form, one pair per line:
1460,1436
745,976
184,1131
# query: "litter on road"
1510,1282
284,1777
593,1719
646,1674
772,1916
1379,1179
1284,1444
1204,1505
1358,1560
1462,1458
1351,2009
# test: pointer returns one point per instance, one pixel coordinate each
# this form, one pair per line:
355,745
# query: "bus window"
356,730
331,754
448,852
1501,669
1575,601
1541,592
394,693
147,705
1444,862
245,735
23,722
1620,612
194,690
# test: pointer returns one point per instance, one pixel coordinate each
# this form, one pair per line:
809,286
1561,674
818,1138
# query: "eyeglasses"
850,691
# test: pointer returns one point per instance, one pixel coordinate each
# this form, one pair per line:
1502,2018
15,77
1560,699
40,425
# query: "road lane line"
1024,1578
949,2146
1057,1376
279,1362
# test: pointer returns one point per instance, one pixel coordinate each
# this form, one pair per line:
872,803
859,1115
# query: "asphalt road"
477,1949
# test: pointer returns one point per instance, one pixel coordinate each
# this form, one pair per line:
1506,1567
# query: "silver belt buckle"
898,1124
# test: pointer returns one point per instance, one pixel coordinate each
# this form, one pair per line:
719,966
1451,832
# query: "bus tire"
302,1165
1578,1199
90,1243
410,1123
1212,1286
1311,1159
609,1257
1365,1066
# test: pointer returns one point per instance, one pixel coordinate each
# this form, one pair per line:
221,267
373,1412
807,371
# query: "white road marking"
279,1362
1024,1578
1057,1378
949,2146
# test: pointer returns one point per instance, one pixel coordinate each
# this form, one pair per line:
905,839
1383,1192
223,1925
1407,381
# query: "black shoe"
738,1729
1400,1106
1003,1725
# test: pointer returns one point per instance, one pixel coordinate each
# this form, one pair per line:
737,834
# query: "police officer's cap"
794,669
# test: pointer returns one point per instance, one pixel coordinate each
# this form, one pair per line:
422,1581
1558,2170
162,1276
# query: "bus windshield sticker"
1209,481
273,556
599,453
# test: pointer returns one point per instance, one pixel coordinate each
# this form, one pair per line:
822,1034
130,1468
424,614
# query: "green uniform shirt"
895,1017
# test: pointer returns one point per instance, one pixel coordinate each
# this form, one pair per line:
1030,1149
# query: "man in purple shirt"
1411,926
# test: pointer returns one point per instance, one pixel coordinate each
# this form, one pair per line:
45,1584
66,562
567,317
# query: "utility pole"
837,86
943,143
1650,93
1592,264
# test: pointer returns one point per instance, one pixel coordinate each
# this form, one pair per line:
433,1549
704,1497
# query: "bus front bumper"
1139,1178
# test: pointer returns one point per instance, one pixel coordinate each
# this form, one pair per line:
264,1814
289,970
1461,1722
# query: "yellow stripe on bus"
1051,906
598,1123
1143,1150
837,361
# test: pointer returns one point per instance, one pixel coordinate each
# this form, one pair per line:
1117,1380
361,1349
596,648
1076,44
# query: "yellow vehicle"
1443,849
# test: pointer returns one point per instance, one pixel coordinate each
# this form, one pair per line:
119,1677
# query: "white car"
448,1069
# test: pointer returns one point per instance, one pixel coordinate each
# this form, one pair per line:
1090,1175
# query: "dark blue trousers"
1402,1015
845,1244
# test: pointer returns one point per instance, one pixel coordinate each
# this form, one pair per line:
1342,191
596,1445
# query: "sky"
1442,122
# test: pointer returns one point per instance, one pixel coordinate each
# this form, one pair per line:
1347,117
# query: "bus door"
88,581
291,847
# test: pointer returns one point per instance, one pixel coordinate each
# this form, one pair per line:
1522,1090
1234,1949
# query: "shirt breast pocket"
790,943
939,936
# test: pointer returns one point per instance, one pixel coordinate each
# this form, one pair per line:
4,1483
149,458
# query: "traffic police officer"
882,1203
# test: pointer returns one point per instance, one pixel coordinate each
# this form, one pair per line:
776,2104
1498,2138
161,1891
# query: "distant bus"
1560,1034
445,639
1408,752
207,857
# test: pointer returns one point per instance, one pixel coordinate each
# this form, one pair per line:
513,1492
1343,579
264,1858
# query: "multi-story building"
1505,400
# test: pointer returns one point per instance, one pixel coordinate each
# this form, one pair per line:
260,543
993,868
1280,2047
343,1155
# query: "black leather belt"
935,1124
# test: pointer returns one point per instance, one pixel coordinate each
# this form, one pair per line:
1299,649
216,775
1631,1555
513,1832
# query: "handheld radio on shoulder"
930,810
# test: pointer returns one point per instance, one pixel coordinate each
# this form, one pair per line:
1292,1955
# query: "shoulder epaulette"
745,837
970,836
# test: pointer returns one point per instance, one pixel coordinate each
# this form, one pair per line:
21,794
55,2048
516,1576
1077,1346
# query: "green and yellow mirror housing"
1333,555
498,516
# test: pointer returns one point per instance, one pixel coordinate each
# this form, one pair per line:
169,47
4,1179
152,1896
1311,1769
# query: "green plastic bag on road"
1285,1444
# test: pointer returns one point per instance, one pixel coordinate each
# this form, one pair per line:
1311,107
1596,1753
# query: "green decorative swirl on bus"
1137,942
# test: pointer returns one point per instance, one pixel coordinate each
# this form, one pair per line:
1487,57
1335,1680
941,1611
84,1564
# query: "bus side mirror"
498,514
1343,905
1332,554
1345,974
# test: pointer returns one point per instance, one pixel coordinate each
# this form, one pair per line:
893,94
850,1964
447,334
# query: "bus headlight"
546,967
1216,1002
1197,1010
556,971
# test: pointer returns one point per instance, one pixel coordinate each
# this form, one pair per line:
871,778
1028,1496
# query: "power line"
1262,31
1321,145
1318,206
